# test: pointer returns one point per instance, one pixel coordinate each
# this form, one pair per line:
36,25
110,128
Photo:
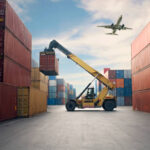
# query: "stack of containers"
141,70
52,91
32,100
15,59
61,91
123,90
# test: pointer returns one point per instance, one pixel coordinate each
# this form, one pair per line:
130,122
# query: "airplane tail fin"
111,33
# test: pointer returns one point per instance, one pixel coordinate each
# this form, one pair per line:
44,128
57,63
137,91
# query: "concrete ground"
86,129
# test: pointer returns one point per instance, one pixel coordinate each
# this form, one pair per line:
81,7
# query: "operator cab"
90,93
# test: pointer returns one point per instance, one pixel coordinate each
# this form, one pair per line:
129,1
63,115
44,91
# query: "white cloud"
106,50
21,8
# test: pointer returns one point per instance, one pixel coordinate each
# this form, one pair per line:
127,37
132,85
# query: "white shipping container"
127,73
52,82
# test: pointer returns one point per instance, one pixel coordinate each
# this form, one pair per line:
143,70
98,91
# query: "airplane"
115,27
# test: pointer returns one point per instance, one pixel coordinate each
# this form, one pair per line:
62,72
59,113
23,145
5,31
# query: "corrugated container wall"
31,101
39,80
141,70
15,48
48,63
8,101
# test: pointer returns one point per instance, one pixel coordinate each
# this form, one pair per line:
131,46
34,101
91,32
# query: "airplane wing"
105,26
125,28
114,31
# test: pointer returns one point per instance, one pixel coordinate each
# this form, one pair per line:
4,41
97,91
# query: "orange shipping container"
30,101
119,83
141,80
142,60
141,101
142,40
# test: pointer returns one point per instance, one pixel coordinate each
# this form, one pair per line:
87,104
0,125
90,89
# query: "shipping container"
119,83
127,83
52,89
127,74
142,60
38,76
31,101
141,80
119,74
61,88
120,101
40,85
52,77
106,70
14,74
14,25
61,82
127,91
120,92
8,101
48,63
128,100
52,83
141,41
52,95
112,74
141,101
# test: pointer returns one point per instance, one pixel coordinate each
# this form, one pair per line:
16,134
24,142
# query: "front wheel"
109,105
70,106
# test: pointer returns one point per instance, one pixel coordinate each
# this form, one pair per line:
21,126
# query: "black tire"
70,106
109,105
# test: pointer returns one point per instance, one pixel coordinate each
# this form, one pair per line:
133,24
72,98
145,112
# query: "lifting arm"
93,72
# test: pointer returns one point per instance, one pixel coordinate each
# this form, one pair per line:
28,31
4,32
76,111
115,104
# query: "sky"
73,24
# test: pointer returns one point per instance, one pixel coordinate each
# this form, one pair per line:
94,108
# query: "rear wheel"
109,105
70,106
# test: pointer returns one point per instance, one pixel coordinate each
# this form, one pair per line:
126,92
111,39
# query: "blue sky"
73,24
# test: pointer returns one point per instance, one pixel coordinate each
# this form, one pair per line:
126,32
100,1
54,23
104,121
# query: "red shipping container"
8,101
141,80
119,83
60,88
106,69
141,41
14,74
141,101
128,100
14,25
142,60
48,63
16,51
111,74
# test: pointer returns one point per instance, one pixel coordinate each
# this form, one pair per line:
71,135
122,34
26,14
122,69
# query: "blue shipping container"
119,74
52,77
119,91
52,89
120,101
51,95
127,91
127,83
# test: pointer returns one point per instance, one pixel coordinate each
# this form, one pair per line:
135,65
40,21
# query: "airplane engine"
112,25
122,26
